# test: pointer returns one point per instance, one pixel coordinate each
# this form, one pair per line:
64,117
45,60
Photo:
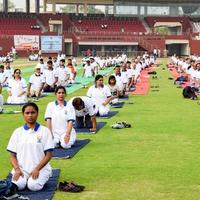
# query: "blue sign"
51,44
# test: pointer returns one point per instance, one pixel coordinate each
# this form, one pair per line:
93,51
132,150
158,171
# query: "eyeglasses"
17,72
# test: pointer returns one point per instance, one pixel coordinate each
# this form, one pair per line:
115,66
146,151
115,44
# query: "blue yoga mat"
16,104
48,190
60,153
87,131
124,97
117,105
109,115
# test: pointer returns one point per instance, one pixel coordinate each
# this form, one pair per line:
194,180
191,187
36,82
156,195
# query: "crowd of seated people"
60,115
58,71
188,68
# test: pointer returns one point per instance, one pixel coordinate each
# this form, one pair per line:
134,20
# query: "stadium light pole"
5,6
27,6
37,6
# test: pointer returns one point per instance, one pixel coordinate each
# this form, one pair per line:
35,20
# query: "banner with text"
51,44
26,42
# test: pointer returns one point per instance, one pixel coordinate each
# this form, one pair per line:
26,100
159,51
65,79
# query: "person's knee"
103,111
34,185
65,146
70,143
20,183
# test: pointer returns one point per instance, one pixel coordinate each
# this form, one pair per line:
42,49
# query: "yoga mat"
117,105
17,104
142,86
48,190
87,131
60,153
109,115
124,97
175,74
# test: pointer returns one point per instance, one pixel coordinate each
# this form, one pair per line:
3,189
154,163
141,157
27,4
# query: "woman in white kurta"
17,89
31,149
60,118
100,95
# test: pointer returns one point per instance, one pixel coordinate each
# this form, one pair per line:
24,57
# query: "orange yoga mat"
142,86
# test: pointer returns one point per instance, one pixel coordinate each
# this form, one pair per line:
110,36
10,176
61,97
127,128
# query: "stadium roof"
110,2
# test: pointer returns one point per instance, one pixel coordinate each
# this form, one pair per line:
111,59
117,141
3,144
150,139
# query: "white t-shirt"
49,76
198,75
59,116
88,107
63,73
129,72
125,76
30,146
113,89
98,95
9,72
94,65
101,63
120,81
88,70
36,81
2,77
17,86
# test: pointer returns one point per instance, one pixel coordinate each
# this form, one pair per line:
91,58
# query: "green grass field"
157,159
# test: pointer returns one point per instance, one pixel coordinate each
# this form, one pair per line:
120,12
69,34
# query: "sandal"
76,185
126,125
117,125
68,187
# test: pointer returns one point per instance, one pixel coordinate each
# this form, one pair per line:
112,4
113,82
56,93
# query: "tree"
11,6
68,9
162,30
72,9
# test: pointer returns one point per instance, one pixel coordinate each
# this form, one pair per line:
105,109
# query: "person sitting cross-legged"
100,95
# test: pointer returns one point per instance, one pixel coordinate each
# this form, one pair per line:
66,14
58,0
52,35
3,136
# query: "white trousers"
102,110
1,100
33,185
60,138
17,100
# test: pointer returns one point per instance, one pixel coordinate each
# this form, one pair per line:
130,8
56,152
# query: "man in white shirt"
85,112
94,65
50,78
88,70
41,65
36,84
63,74
121,81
